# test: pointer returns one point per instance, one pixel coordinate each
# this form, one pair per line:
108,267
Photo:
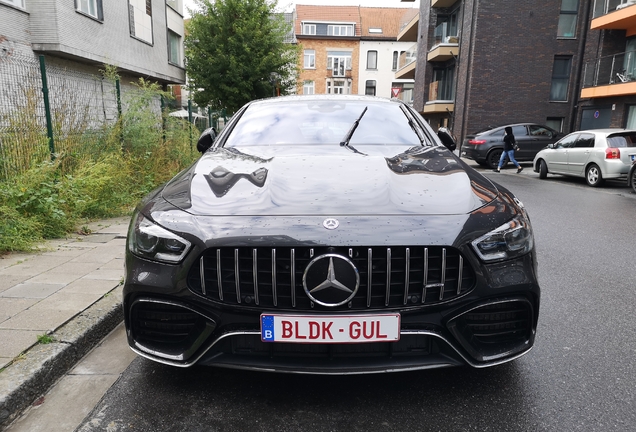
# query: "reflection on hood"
221,180
423,159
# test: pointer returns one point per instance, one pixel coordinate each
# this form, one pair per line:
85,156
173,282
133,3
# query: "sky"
290,3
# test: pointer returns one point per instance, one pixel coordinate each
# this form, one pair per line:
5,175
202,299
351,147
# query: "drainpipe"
468,69
580,52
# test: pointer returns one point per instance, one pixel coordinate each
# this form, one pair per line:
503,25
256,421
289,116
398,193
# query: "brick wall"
320,74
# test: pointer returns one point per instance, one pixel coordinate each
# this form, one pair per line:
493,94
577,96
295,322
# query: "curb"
30,376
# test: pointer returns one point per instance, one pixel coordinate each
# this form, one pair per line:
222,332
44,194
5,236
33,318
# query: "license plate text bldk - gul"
330,329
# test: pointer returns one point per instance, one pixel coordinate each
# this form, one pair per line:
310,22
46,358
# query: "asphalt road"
580,376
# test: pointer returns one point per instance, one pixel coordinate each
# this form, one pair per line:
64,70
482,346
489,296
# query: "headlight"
510,240
150,241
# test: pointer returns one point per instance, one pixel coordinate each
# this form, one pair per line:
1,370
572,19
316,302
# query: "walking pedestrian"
510,145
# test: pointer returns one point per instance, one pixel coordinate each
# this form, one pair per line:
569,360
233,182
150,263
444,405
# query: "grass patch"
45,339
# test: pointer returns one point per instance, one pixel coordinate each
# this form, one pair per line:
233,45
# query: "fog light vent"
495,330
168,330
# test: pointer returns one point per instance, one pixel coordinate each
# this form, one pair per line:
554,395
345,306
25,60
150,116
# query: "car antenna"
347,137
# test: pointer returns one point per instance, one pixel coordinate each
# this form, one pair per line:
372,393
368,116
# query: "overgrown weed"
132,156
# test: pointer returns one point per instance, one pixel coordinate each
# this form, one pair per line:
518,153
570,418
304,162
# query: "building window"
338,62
560,78
395,60
369,89
555,123
174,48
443,84
372,59
340,30
629,60
140,19
16,3
309,29
568,18
338,86
310,59
177,5
308,88
89,7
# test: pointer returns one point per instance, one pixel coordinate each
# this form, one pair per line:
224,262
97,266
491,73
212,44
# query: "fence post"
163,119
47,108
119,115
190,122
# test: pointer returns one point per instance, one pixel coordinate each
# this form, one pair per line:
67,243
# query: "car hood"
329,180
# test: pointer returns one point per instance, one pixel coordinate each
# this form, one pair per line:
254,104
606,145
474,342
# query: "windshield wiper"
412,124
347,137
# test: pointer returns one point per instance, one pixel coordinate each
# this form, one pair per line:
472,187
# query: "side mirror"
206,140
446,138
551,146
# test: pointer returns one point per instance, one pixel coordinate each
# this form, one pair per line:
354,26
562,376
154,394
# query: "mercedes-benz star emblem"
331,280
330,223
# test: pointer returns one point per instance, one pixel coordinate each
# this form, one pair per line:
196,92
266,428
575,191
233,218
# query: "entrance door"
596,118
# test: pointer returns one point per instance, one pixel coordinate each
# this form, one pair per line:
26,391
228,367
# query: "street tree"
235,52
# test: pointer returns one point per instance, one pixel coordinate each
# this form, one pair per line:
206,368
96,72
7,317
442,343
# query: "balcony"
445,44
442,3
409,25
444,51
435,104
615,15
610,76
406,65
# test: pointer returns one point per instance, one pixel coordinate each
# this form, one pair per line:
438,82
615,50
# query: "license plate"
632,157
330,328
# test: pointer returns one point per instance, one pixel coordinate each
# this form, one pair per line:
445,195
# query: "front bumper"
494,323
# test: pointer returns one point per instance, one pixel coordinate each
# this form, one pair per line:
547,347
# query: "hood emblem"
331,280
331,223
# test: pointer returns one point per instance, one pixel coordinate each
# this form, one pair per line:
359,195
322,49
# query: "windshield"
322,122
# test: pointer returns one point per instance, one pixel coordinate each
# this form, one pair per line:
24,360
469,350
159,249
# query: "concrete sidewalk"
69,291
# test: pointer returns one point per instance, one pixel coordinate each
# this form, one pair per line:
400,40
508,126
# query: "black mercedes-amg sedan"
330,235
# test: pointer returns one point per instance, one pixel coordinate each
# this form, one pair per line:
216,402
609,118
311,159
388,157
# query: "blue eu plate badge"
267,328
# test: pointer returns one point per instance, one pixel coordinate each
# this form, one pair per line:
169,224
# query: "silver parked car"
595,155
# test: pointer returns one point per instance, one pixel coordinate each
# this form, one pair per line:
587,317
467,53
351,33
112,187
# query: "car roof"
604,132
301,98
494,128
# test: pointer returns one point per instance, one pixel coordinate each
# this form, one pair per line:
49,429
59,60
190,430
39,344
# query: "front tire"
543,169
593,175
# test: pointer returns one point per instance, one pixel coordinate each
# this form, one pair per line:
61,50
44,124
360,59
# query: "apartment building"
379,54
143,38
608,84
478,64
350,50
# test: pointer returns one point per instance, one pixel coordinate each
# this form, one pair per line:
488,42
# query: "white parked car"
596,155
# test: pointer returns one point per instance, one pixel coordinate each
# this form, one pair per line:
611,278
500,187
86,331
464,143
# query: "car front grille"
389,277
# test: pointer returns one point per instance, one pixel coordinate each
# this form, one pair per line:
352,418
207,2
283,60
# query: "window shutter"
100,10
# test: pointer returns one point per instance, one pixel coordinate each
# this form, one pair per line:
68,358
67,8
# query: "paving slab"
32,290
90,286
15,342
12,306
42,321
9,281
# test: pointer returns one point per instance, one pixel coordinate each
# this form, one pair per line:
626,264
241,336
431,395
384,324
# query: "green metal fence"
48,111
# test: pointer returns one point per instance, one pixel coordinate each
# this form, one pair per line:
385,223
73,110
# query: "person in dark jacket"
509,150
